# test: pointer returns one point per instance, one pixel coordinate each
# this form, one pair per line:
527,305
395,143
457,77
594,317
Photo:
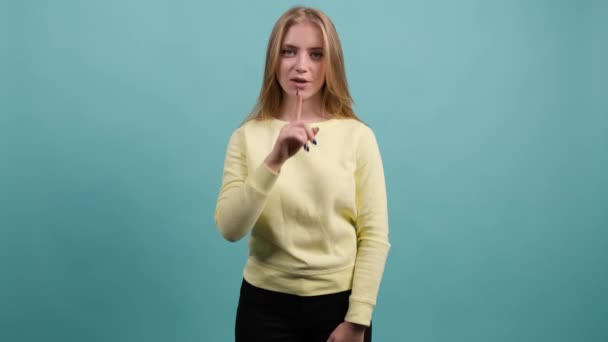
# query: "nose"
300,65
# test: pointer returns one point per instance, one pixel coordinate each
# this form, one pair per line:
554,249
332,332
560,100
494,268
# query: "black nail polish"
314,141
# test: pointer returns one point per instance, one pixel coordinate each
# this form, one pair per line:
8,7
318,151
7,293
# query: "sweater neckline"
314,123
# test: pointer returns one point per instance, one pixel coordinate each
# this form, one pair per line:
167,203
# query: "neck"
312,108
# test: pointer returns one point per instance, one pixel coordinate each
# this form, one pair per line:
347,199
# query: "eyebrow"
296,48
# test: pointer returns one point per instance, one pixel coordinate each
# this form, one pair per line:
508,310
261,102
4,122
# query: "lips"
299,80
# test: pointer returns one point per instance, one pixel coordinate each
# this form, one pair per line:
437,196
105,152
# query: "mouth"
299,80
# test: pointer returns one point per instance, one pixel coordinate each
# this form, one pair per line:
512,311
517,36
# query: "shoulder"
257,126
253,127
363,139
357,130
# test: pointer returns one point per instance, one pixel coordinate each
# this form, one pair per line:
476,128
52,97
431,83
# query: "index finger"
298,105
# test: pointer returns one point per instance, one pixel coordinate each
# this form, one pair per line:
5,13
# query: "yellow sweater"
319,226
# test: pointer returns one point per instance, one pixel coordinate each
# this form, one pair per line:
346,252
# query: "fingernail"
314,141
306,147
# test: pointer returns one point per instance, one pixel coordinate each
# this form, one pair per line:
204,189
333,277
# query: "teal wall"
492,118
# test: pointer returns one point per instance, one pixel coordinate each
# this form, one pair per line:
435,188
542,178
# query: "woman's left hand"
347,332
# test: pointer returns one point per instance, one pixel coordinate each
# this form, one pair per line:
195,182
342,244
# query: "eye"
316,55
288,52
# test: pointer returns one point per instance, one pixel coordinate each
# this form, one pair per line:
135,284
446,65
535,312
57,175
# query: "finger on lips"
298,105
310,133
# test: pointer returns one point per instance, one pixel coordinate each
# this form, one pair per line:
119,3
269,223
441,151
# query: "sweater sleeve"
372,230
242,196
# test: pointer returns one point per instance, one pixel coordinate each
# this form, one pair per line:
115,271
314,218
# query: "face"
301,63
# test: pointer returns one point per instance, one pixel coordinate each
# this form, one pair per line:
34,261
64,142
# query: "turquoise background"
492,118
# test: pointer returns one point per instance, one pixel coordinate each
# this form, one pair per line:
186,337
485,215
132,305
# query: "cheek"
280,74
283,70
320,75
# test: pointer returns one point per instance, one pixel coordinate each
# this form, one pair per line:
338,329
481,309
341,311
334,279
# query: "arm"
372,230
242,196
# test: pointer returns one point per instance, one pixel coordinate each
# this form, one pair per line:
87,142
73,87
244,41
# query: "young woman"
304,175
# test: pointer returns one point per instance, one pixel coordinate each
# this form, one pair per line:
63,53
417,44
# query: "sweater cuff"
263,178
359,313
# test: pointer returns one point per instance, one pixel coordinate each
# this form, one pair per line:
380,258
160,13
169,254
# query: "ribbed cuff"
263,178
359,312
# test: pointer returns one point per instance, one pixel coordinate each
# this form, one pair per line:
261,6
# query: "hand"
291,139
348,332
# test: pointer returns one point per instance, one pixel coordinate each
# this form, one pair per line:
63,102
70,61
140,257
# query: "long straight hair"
336,99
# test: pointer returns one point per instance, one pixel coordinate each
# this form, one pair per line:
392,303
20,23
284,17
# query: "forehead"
304,35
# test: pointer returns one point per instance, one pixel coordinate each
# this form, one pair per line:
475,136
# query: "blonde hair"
336,99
